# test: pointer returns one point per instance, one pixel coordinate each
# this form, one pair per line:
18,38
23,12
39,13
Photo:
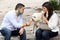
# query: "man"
12,24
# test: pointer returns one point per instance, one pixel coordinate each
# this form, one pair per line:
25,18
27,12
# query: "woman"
51,19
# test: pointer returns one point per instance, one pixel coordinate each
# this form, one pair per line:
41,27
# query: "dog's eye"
34,17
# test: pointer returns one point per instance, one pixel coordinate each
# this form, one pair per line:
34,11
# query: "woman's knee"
38,32
45,34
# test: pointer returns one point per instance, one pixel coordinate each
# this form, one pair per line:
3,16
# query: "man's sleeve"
14,22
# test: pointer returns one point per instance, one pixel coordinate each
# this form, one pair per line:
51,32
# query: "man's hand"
29,22
24,25
21,31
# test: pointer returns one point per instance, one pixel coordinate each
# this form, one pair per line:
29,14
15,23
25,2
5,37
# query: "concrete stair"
56,38
30,36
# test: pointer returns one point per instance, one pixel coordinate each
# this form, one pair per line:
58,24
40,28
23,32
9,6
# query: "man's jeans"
8,33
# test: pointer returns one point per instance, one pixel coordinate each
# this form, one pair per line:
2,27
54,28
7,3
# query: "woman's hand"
45,20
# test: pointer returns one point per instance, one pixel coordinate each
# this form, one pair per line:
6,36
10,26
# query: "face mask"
19,12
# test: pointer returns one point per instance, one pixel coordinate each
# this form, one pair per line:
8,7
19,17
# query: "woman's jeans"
8,33
45,34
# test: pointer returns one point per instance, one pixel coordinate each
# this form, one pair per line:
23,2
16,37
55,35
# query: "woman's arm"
44,19
53,22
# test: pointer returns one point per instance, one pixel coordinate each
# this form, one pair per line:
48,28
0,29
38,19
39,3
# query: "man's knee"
24,33
5,32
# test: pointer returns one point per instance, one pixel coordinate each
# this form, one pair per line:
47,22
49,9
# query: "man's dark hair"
19,5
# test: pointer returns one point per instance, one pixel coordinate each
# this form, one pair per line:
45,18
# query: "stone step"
12,38
56,38
30,36
17,38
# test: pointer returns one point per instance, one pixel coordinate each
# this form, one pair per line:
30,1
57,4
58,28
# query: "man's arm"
27,23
